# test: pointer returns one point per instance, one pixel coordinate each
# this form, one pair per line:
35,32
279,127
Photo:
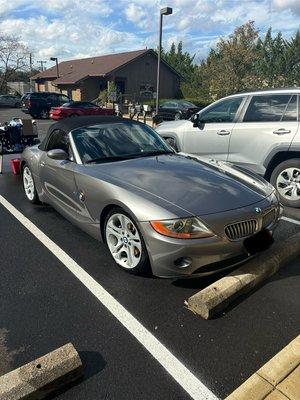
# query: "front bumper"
177,258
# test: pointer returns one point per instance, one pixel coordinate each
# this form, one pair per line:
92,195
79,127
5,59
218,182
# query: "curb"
278,379
215,297
46,374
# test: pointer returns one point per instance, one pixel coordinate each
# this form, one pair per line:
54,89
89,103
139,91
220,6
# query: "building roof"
73,71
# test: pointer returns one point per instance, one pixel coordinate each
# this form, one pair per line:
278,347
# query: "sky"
70,29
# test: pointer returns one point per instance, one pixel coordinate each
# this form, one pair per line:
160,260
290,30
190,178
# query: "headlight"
184,228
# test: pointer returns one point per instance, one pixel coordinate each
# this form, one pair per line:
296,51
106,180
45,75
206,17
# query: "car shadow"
92,362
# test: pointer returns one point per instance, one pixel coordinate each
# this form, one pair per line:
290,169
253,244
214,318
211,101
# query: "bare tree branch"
14,57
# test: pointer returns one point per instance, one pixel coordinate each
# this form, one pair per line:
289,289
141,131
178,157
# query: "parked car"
119,181
77,108
175,110
8,100
256,130
38,104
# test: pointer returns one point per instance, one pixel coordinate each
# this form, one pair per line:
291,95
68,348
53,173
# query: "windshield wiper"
156,153
107,159
128,157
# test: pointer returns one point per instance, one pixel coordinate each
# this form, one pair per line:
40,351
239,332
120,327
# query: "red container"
15,165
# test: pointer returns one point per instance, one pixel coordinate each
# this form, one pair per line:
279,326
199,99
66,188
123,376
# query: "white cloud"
135,13
77,28
292,5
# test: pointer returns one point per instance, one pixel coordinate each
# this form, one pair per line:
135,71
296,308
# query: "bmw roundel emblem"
257,210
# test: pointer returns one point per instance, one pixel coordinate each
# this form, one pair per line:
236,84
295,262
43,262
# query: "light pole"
56,60
163,11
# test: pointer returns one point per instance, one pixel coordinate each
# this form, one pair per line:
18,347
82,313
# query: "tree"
183,63
292,60
14,57
230,67
271,65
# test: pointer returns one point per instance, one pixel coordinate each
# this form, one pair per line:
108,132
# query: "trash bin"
15,165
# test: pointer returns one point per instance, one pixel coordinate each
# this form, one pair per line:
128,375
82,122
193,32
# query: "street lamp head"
166,11
53,58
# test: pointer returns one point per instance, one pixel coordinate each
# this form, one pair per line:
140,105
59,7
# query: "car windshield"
118,141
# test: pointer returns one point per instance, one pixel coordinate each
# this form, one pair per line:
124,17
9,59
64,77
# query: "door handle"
223,132
282,131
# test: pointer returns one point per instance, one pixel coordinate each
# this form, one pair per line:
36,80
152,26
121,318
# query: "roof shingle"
73,71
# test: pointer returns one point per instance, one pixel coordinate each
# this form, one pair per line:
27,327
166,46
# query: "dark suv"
38,104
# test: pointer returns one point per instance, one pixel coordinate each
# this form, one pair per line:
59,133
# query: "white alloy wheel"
28,184
288,183
123,240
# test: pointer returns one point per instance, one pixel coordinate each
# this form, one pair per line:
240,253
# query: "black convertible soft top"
68,124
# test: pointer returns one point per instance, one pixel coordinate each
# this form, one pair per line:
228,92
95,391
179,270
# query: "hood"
171,125
189,183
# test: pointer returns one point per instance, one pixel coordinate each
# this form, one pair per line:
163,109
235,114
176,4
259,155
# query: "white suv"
257,130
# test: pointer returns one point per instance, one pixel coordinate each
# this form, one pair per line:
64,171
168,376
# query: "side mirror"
36,141
57,154
195,120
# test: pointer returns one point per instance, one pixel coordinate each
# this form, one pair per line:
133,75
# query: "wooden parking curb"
46,374
217,296
278,379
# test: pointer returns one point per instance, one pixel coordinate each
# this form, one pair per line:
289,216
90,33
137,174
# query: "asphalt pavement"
7,114
43,306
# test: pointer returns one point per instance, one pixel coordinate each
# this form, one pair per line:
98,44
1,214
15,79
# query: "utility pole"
42,62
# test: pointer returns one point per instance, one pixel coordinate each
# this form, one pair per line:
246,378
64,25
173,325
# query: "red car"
77,108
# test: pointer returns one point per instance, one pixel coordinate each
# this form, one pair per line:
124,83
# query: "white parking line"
182,375
293,221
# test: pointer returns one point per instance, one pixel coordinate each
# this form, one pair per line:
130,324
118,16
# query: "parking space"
7,114
45,305
50,307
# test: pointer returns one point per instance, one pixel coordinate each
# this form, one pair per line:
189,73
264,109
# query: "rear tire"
44,114
125,242
29,185
286,179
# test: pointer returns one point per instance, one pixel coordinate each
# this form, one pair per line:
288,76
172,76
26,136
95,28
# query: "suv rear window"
269,108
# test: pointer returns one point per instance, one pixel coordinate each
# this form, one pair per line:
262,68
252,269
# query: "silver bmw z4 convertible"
158,211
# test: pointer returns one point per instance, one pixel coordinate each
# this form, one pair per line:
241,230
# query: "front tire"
286,179
29,185
125,242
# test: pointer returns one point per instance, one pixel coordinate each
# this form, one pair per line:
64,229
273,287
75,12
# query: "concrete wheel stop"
40,377
217,296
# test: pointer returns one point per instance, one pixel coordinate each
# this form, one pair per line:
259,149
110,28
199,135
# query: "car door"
11,101
268,123
168,110
57,176
211,137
